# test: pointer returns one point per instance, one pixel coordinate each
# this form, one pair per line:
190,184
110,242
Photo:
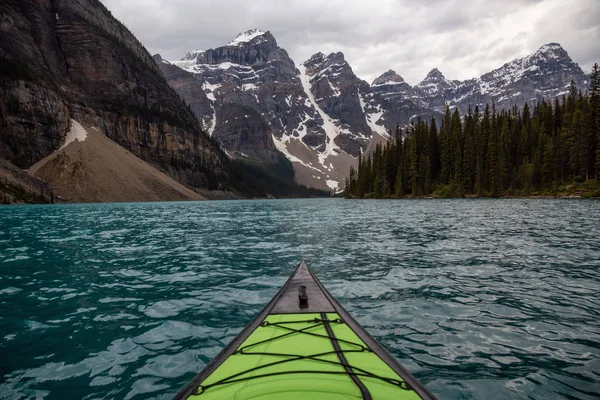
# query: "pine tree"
351,182
594,118
469,158
457,153
598,139
386,189
368,177
414,164
358,191
576,155
572,94
445,144
434,151
483,134
548,164
398,189
595,81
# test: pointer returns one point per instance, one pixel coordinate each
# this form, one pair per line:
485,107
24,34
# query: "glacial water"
480,299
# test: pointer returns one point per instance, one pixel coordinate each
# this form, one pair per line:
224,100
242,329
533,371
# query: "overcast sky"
464,39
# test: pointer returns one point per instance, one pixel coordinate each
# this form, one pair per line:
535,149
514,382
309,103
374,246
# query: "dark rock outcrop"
16,186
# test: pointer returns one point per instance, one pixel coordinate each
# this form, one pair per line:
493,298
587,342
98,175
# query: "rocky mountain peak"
157,58
542,75
337,57
435,74
551,49
316,60
388,77
391,86
319,59
253,36
192,55
551,53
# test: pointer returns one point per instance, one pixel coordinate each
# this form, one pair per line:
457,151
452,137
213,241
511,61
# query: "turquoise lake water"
480,299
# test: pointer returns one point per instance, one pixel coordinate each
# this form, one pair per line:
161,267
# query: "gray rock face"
189,88
338,92
314,113
391,86
243,128
72,59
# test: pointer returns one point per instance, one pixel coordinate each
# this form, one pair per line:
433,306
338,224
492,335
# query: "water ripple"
480,299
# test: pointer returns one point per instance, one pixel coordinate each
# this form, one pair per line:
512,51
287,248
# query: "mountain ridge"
319,111
435,90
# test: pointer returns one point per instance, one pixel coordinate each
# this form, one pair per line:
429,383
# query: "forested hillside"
552,149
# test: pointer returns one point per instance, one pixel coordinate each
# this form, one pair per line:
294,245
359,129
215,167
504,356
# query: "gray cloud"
462,39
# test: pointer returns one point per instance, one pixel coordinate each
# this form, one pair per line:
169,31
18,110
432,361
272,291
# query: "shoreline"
209,200
536,197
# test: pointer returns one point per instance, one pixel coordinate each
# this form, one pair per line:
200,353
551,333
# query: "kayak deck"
304,345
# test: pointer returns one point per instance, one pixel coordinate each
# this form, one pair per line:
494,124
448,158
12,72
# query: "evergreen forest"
551,149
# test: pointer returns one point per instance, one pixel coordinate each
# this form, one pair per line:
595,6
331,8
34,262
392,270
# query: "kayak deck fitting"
304,345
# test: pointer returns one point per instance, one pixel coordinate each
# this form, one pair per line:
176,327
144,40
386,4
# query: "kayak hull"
303,344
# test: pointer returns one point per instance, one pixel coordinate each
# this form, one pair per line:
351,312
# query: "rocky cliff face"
391,86
71,59
338,93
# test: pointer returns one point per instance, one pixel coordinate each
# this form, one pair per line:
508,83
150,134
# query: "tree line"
518,152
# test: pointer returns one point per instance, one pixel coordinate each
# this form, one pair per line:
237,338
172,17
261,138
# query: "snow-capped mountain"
256,102
545,74
248,83
253,98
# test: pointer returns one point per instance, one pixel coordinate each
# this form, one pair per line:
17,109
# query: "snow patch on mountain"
192,55
246,37
373,118
210,90
328,124
387,83
334,185
76,133
186,65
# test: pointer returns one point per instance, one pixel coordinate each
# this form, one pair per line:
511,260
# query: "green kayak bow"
304,345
